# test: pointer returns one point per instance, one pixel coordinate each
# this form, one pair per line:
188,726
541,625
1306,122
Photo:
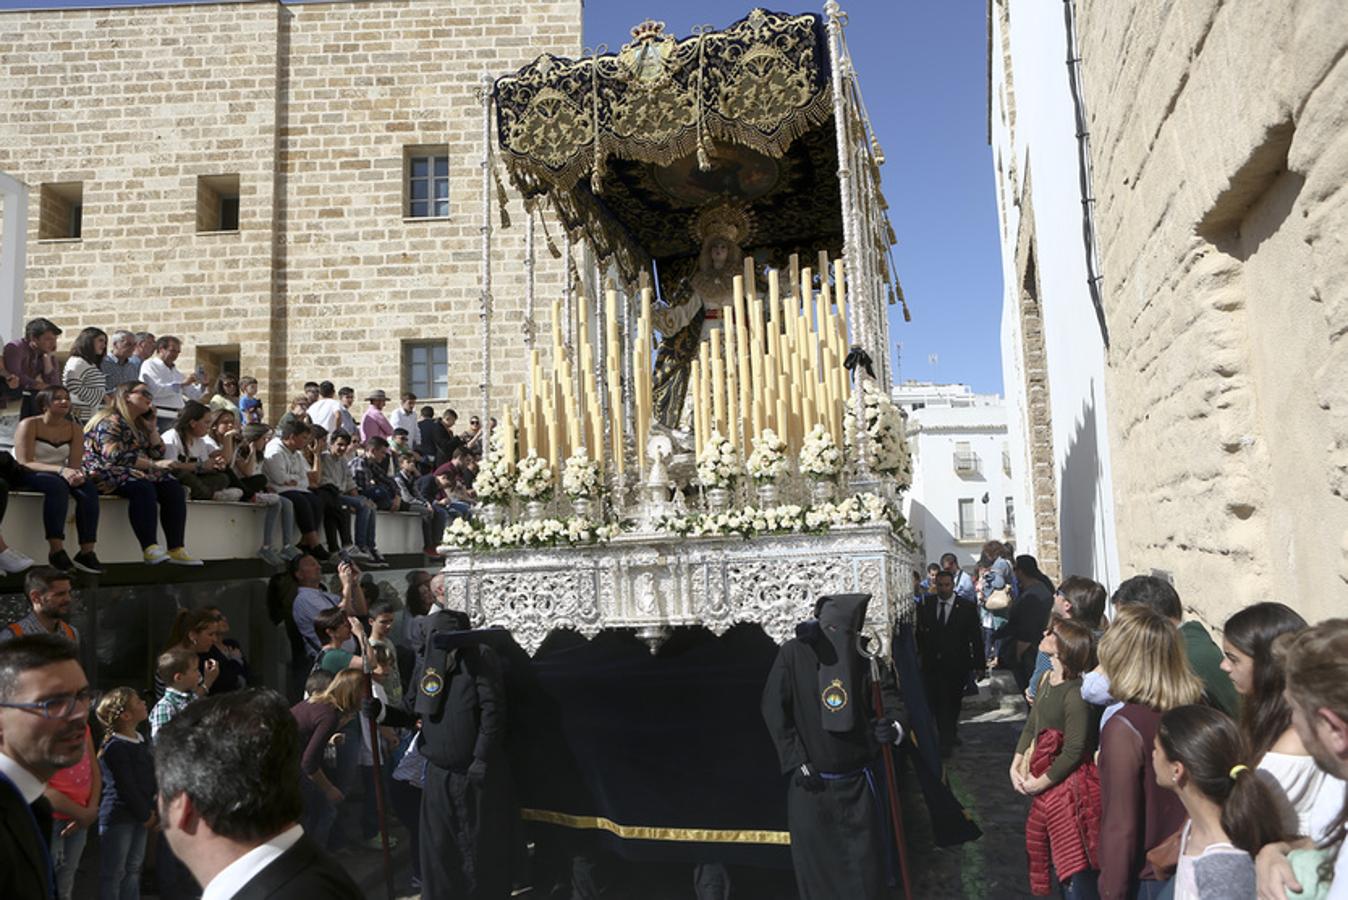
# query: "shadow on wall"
1079,495
936,538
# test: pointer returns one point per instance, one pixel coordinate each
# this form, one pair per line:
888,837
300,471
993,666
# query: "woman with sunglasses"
227,394
124,455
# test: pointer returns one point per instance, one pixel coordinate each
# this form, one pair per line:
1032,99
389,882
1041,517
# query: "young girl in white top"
1198,753
1309,798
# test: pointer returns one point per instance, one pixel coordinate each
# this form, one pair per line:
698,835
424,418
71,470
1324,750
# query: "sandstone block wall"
1221,156
312,106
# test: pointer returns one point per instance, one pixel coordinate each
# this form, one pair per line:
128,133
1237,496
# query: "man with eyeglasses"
48,590
44,703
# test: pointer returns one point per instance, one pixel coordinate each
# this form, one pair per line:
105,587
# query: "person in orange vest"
48,590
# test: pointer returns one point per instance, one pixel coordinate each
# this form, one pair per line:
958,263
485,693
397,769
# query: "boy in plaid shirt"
179,670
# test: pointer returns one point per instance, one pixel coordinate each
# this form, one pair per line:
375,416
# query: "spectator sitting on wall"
311,392
288,475
145,347
49,593
247,466
335,479
83,376
226,395
405,417
50,449
250,408
31,362
120,365
123,455
169,388
346,420
374,423
323,412
310,598
433,517
200,468
371,475
336,522
400,445
11,560
472,441
298,412
222,439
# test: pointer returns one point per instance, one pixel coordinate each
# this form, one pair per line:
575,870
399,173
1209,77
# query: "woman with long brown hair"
321,717
1142,654
1308,797
124,455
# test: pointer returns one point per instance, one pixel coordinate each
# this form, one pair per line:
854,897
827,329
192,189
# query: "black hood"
841,668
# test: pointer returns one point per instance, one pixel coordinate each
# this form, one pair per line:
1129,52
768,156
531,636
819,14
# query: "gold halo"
731,221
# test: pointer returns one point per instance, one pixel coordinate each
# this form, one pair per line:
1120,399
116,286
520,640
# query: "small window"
426,369
61,216
426,182
217,203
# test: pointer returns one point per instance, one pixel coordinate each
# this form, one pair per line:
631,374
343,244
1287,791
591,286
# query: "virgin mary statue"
698,307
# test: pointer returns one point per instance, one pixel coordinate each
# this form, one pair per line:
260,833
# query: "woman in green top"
335,628
1070,646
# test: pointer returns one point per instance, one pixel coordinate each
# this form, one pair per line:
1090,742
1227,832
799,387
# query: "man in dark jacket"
229,800
817,706
950,644
44,702
1027,618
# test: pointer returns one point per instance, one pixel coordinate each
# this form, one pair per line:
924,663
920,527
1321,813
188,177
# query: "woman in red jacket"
1054,764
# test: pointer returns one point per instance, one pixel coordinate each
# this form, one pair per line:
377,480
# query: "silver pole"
529,328
569,330
485,312
852,270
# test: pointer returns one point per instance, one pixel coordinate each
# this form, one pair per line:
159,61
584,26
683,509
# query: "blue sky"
923,71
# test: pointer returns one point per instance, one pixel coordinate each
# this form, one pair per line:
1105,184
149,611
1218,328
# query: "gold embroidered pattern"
657,833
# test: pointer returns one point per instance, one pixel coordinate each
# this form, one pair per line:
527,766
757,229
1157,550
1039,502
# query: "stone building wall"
312,106
1221,159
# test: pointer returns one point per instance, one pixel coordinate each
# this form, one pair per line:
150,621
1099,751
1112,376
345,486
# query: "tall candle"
717,383
695,390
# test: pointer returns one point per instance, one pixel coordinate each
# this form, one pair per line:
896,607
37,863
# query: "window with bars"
427,171
426,369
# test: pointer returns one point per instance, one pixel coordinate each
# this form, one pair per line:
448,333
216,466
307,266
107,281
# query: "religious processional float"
710,439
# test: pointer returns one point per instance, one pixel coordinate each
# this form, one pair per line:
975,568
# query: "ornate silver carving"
654,583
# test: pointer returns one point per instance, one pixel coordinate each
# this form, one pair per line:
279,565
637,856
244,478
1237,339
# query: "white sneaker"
355,552
14,562
155,554
270,557
228,495
266,499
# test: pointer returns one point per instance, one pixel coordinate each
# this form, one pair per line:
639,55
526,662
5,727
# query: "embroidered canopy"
629,147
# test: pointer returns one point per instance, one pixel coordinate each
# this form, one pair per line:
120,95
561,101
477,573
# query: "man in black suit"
44,703
950,642
229,787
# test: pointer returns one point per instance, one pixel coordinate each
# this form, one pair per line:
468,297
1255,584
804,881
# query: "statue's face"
720,252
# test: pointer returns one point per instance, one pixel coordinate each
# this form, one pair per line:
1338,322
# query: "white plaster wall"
932,503
1043,150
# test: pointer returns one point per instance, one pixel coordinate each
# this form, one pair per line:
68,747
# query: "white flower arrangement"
580,477
718,465
768,461
492,484
888,440
573,532
535,479
820,458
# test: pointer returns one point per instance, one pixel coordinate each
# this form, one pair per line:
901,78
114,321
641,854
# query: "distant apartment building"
962,491
295,190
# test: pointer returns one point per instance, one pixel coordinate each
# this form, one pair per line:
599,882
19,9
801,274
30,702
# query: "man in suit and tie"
229,801
950,643
44,703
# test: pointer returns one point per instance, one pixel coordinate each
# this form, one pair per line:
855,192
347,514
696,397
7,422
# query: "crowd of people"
121,418
1157,762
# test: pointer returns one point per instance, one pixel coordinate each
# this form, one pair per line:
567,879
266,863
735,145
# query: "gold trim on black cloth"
657,832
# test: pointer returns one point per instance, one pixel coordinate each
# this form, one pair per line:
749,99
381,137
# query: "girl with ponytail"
127,814
1200,754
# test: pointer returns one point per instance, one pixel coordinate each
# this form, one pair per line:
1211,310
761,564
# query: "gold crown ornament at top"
731,221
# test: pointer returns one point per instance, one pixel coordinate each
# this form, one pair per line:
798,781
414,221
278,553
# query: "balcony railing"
964,532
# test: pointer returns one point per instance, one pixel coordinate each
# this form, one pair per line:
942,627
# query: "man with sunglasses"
44,703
